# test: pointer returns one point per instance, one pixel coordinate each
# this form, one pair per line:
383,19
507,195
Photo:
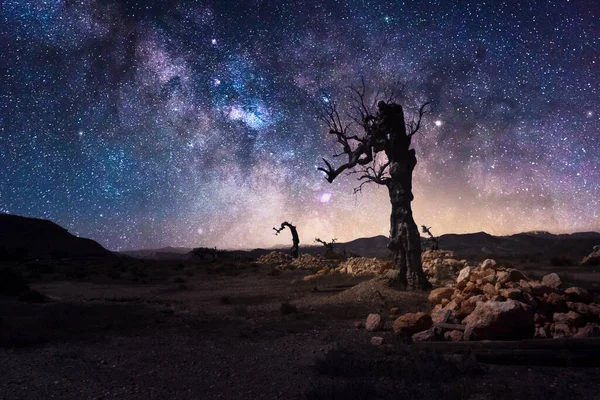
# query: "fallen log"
444,325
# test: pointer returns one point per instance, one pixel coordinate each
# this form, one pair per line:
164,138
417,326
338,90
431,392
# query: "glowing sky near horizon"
193,123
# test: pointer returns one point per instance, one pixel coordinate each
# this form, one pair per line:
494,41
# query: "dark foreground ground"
150,330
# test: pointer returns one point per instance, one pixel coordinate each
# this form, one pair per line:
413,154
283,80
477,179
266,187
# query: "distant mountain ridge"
575,245
25,238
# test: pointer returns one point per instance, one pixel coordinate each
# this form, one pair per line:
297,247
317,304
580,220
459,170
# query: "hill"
23,238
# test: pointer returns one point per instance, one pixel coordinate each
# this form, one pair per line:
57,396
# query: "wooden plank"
457,327
475,346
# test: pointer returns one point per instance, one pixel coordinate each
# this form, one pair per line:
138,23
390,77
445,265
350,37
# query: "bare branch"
414,126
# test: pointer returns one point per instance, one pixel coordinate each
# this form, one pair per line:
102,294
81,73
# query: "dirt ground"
210,330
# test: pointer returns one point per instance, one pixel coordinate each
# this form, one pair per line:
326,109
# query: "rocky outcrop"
593,258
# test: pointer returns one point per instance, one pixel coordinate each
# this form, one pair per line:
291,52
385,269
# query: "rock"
424,336
594,309
454,336
556,301
489,289
469,305
561,330
359,324
579,294
437,295
540,318
580,308
376,340
498,298
394,310
593,258
512,275
551,280
530,300
525,286
537,289
543,331
513,294
463,277
310,277
444,302
589,330
493,320
409,324
439,315
374,322
487,264
570,318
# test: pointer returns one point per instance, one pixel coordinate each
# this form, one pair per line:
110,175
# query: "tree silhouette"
328,245
435,245
295,239
377,144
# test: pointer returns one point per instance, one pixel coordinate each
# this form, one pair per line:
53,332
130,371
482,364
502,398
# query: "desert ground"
233,329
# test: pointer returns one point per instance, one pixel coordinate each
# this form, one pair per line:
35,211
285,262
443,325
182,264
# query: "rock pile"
441,265
307,261
360,266
274,257
593,258
495,303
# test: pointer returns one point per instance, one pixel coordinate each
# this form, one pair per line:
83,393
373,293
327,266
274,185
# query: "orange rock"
409,324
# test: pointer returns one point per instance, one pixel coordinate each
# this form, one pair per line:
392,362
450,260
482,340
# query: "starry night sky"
189,123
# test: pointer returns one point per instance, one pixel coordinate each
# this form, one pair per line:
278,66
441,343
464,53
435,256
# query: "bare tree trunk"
405,240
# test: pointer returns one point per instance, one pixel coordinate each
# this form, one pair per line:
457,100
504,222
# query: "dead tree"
295,239
328,245
376,142
434,242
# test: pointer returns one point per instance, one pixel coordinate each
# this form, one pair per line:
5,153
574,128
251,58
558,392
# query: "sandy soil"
223,335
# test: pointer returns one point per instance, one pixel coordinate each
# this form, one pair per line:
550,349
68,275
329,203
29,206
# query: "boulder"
411,323
424,336
551,280
454,336
436,295
489,289
493,320
374,323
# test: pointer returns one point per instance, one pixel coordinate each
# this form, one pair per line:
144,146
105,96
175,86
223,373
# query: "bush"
287,308
12,282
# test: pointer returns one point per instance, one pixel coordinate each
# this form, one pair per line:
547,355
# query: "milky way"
191,123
